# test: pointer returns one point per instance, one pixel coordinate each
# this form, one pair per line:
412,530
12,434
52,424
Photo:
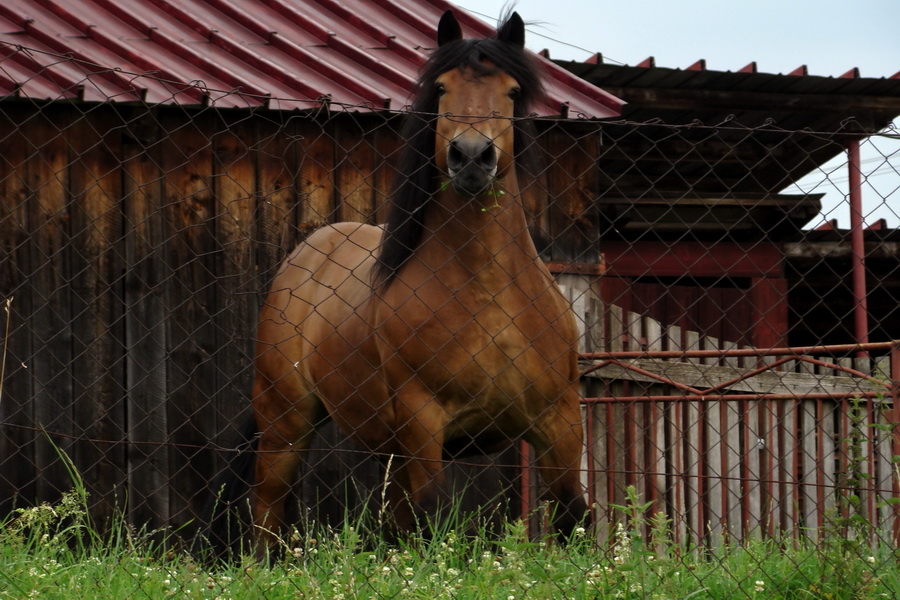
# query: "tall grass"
53,552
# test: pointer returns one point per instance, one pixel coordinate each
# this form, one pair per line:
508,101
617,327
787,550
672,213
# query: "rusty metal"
730,397
895,397
834,349
769,426
273,54
857,247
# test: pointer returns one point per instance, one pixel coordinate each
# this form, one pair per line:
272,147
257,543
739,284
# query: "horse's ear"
513,31
448,29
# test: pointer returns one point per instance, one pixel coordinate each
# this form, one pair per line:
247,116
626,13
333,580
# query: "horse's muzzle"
472,165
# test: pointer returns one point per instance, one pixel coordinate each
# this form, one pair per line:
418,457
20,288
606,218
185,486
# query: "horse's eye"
440,90
515,93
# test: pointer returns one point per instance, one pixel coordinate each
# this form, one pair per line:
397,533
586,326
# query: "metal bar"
857,248
895,396
820,460
744,465
843,369
726,384
870,453
731,397
591,467
525,480
843,457
797,351
755,480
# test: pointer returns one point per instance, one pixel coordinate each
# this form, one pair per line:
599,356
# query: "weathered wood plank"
535,201
234,302
387,153
692,425
47,180
146,312
808,430
887,475
191,249
659,480
315,174
573,185
278,203
98,366
17,478
354,169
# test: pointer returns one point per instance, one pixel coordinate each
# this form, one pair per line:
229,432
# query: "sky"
828,36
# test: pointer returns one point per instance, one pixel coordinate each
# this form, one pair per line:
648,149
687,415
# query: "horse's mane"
417,178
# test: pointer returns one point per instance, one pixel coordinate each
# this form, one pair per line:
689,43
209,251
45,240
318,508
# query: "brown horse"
440,333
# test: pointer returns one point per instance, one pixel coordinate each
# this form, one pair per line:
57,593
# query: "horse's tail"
226,516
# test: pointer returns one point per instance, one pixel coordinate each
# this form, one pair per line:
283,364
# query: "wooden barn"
157,160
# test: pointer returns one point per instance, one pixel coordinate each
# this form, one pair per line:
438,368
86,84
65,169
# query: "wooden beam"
819,251
710,100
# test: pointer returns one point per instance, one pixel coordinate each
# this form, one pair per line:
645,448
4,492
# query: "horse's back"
322,286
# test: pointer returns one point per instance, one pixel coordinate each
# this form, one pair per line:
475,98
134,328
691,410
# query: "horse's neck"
483,239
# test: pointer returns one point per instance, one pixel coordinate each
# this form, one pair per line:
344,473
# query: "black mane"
417,178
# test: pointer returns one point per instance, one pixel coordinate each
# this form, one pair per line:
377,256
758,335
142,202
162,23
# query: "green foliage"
640,560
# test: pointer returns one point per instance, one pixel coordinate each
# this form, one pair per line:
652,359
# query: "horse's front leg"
421,488
276,467
286,429
557,437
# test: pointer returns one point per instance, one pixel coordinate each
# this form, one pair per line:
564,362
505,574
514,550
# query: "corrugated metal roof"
795,100
352,52
694,139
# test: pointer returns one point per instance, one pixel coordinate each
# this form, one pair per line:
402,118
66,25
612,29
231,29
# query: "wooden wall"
136,242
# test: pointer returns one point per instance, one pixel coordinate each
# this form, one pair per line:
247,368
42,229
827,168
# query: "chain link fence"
139,242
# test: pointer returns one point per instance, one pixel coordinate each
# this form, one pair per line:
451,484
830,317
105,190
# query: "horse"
440,333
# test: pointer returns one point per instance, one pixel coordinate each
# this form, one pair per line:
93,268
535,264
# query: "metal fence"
138,242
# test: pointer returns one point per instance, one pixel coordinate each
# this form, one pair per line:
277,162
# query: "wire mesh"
140,242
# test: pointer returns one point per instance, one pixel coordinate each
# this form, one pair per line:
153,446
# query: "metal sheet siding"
286,53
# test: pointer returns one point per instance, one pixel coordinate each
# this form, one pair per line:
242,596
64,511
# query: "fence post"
857,248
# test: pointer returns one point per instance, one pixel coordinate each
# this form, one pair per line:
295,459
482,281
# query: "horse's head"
480,90
476,104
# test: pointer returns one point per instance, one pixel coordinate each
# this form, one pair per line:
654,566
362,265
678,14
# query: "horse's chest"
494,350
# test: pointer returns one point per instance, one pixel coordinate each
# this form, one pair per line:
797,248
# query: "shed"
157,158
691,219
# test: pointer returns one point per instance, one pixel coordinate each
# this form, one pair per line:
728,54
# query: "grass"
54,552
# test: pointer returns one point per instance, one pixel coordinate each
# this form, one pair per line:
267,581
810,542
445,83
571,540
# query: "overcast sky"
828,36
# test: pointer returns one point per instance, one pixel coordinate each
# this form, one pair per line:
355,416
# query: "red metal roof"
242,53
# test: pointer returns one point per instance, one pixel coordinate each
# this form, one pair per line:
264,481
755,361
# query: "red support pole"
525,483
895,398
857,247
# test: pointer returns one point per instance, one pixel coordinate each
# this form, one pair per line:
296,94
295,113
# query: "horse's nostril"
455,157
466,153
487,160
